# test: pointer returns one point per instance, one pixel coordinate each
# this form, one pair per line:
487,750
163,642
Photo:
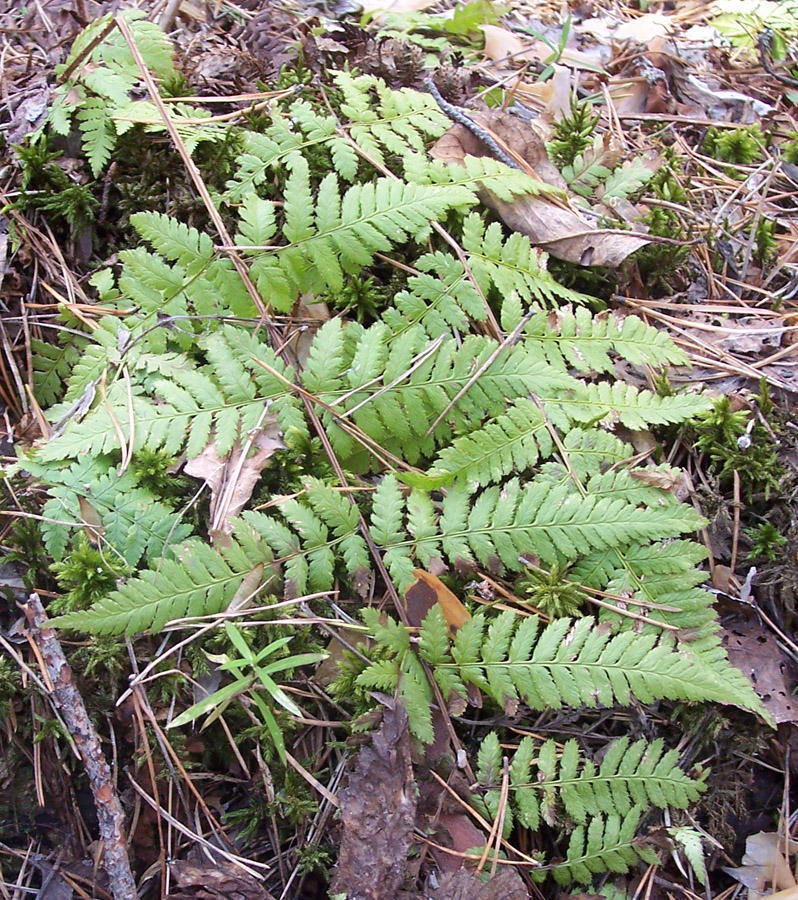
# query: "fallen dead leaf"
644,28
397,6
232,478
503,45
764,864
553,226
754,651
378,811
428,590
677,481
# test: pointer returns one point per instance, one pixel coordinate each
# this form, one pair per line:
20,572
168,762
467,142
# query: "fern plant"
473,420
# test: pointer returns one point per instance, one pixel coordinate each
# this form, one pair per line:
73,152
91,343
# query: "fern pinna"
473,418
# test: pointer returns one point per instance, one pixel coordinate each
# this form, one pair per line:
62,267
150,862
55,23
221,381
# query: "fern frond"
187,120
98,133
52,365
437,302
545,784
199,581
154,45
583,341
589,451
306,549
398,123
511,265
624,403
332,234
570,663
226,397
174,240
418,381
512,442
131,520
380,121
608,844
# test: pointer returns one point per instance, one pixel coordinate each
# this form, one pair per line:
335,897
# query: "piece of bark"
67,698
206,881
378,811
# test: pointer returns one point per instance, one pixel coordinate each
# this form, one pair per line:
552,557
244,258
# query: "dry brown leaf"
500,44
677,481
503,45
755,651
428,590
552,226
92,523
206,881
518,136
644,29
397,6
764,865
378,812
231,478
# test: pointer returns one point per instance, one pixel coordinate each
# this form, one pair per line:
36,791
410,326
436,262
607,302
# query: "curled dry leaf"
548,222
232,478
764,866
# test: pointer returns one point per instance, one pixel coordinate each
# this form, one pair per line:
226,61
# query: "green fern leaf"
174,240
639,774
592,667
580,340
98,133
256,224
625,404
131,520
512,265
509,443
607,845
52,364
200,581
437,302
387,531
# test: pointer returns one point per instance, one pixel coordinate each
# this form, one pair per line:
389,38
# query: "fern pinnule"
636,409
438,302
511,266
131,522
173,239
509,443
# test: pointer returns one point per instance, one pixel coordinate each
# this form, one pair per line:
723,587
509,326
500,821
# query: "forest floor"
257,743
